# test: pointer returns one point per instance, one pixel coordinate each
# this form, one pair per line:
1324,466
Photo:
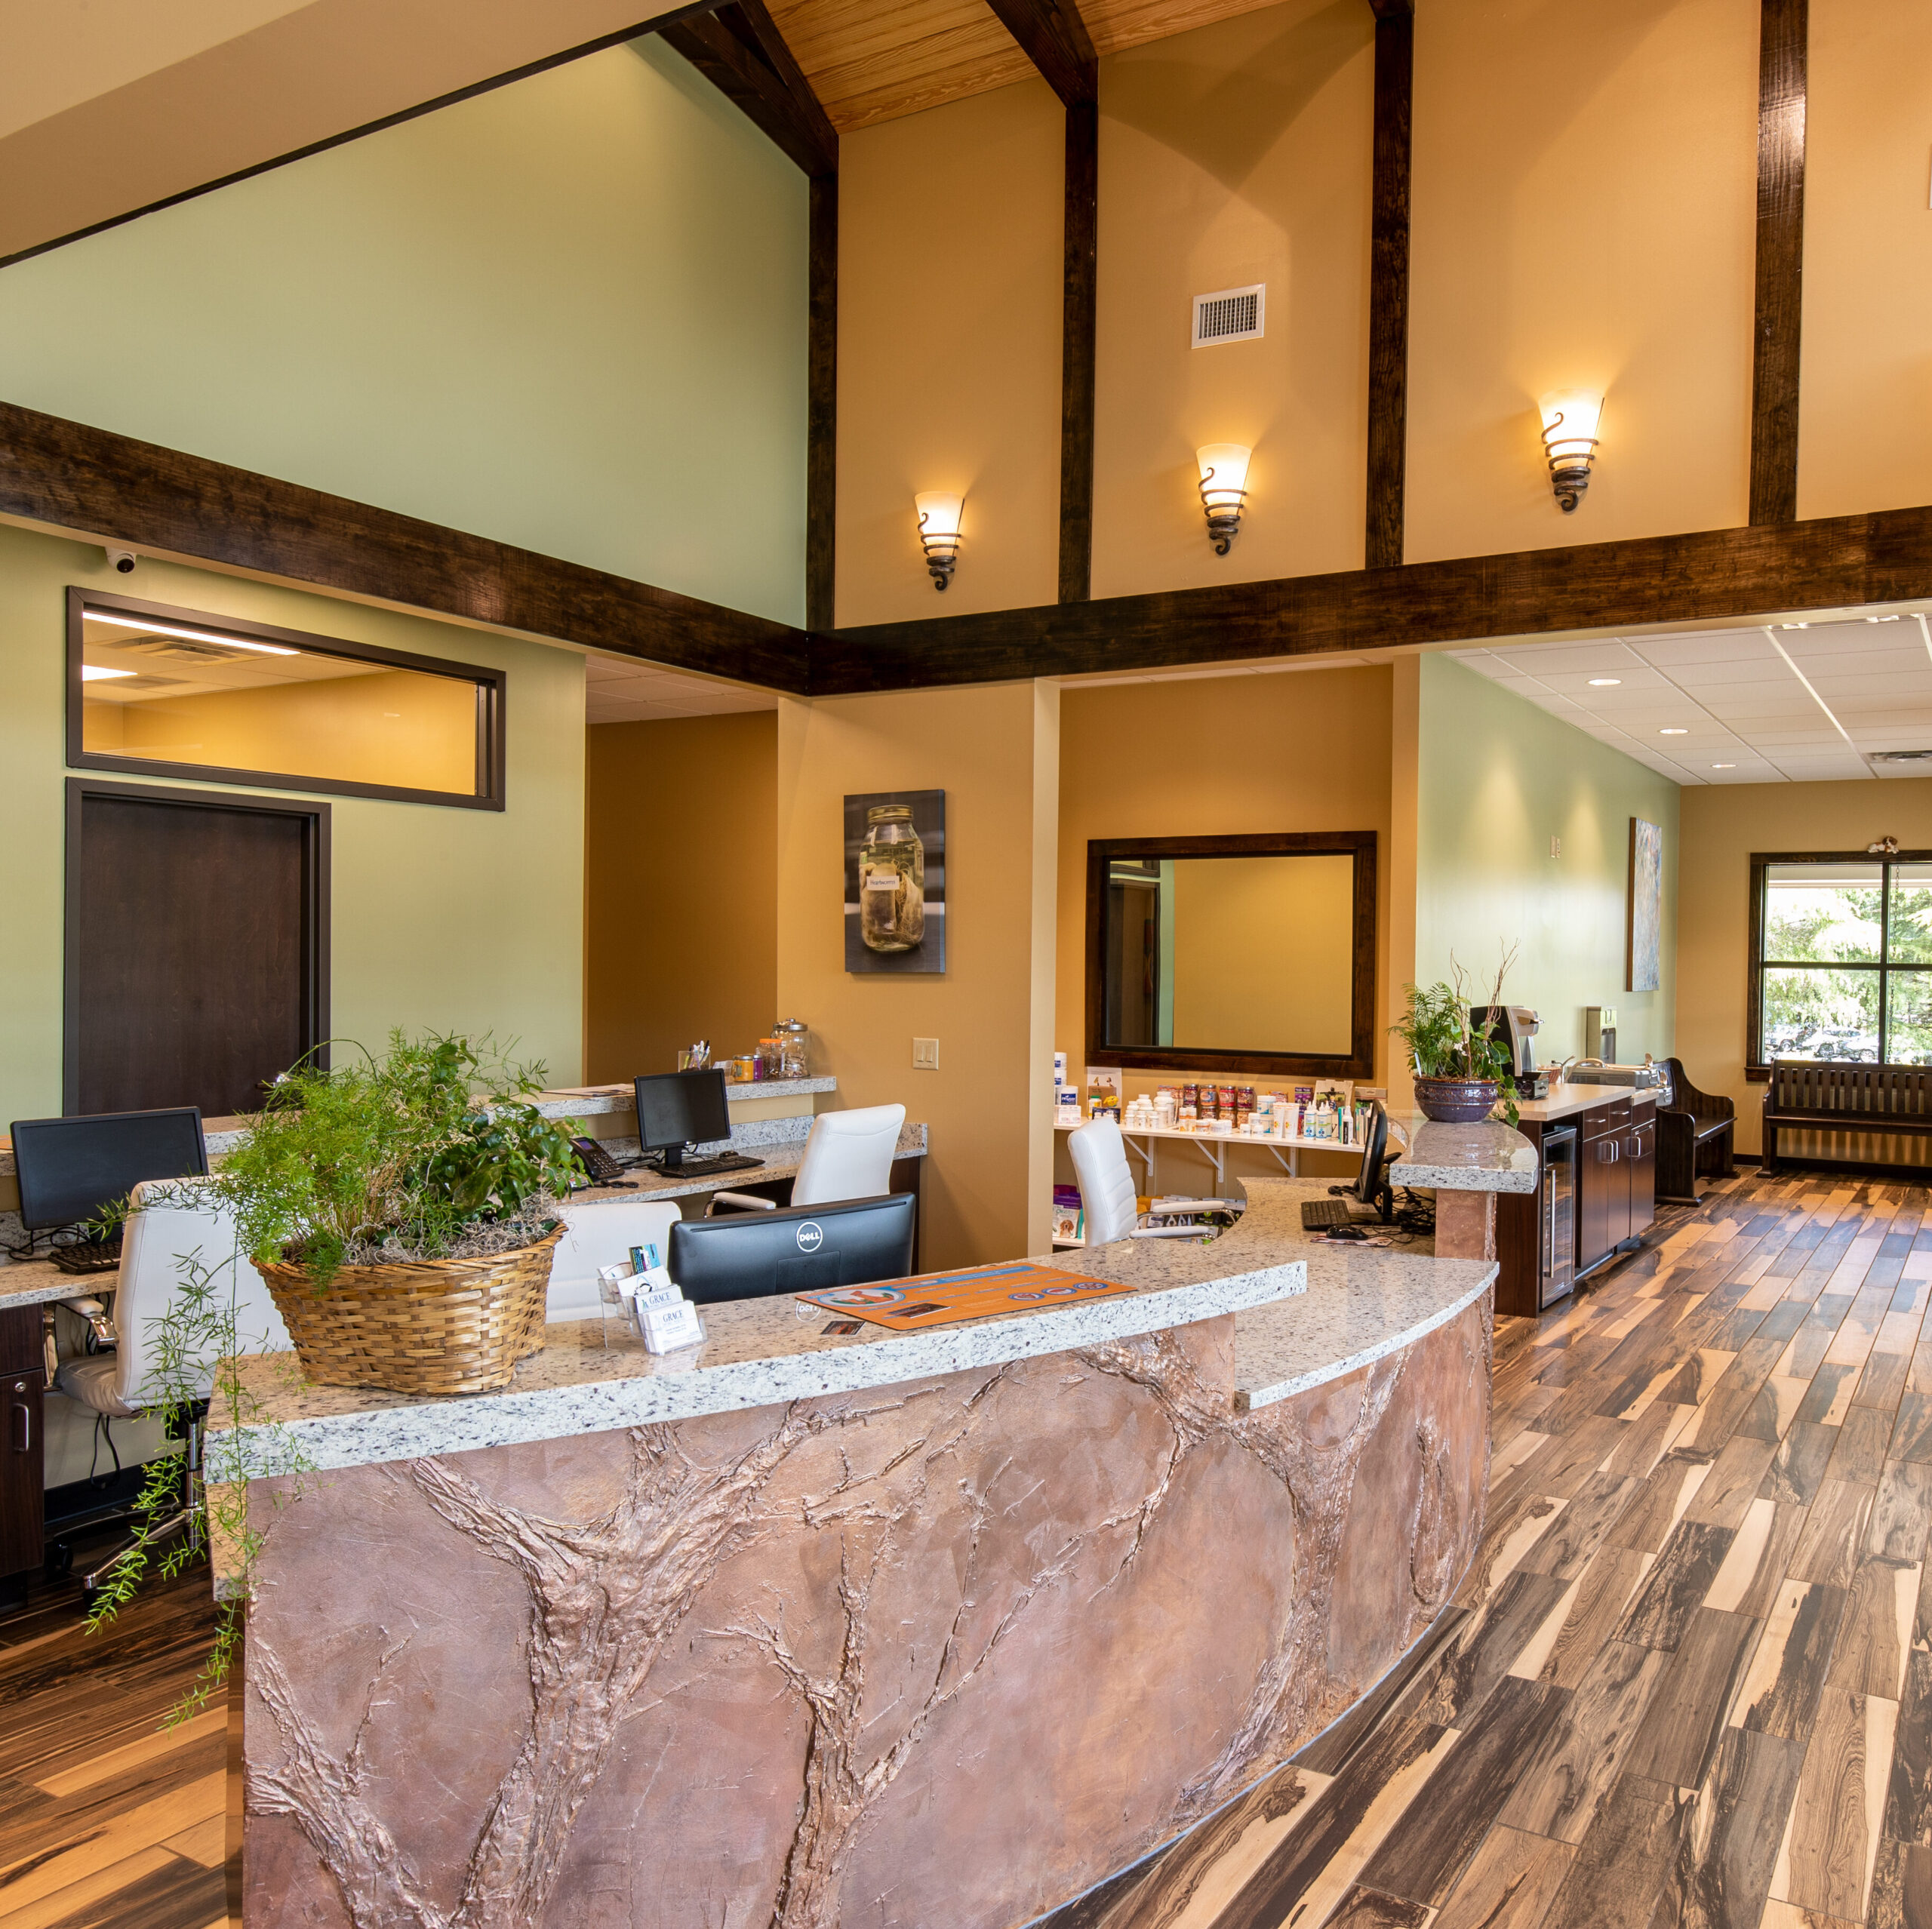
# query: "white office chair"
1107,1196
848,1156
601,1236
173,1222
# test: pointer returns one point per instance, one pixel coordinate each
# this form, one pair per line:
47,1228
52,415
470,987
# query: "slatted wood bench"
1807,1096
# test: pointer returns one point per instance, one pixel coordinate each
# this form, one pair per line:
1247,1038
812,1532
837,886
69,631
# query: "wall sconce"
1223,489
1570,419
939,532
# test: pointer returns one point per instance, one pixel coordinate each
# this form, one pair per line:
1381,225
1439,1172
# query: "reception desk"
938,1627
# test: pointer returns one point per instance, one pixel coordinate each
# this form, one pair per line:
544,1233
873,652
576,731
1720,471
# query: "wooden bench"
1696,1131
1807,1096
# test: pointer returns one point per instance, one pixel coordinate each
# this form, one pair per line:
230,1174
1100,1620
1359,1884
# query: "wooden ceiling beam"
1052,35
739,51
1394,9
1783,58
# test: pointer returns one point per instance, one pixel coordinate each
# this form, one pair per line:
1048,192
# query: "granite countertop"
34,1282
1566,1100
1486,1157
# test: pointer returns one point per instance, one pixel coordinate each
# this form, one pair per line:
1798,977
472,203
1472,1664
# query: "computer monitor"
1370,1187
675,1109
69,1168
805,1249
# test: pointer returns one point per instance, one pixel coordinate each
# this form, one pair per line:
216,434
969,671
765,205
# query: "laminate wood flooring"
107,1822
1689,1678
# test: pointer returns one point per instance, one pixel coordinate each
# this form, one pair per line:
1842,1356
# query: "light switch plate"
925,1055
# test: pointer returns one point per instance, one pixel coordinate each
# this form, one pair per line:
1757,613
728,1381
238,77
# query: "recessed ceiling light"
1604,682
1669,730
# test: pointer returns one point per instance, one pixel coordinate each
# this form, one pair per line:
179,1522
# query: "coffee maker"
1519,1026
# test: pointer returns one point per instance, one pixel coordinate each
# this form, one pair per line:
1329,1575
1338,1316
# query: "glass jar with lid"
794,1057
892,880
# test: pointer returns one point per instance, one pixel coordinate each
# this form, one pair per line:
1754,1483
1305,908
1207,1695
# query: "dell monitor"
675,1109
69,1168
1371,1187
806,1249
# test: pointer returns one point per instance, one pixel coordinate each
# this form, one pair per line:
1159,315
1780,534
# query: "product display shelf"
1215,1146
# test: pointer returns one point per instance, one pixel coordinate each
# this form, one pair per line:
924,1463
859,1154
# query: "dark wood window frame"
1358,1062
315,905
1757,1068
491,686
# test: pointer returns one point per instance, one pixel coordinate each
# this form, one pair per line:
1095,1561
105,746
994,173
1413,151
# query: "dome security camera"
123,560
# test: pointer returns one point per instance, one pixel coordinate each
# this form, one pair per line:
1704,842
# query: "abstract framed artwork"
895,881
1643,954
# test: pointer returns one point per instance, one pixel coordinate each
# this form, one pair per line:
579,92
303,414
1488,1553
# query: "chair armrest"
91,1310
743,1199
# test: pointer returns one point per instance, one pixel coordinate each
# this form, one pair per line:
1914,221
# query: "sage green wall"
439,916
569,314
1497,779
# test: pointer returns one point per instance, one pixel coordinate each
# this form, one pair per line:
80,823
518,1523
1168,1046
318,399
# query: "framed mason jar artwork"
895,880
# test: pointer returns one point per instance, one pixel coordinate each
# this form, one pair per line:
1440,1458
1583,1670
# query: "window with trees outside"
1841,958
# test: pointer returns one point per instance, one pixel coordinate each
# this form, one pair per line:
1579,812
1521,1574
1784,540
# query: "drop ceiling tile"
1769,668
1720,646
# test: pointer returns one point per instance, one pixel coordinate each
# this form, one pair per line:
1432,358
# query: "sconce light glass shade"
1223,489
939,532
1570,419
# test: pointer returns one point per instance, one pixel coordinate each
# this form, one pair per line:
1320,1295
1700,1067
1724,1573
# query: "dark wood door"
21,1461
1643,1175
196,948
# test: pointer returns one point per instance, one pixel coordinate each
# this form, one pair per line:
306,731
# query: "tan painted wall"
1237,153
1263,953
398,728
1721,825
995,751
1302,750
949,351
1584,209
1867,371
680,885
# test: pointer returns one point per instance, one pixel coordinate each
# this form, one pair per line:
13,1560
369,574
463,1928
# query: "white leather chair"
1107,1196
600,1236
175,1222
848,1156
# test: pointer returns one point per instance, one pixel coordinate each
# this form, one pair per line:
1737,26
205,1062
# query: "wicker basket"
432,1326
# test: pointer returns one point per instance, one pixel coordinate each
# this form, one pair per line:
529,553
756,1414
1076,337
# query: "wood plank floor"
106,1822
1689,1678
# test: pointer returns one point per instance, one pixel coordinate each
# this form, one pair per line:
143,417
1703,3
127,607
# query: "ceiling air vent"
187,649
1898,757
1230,314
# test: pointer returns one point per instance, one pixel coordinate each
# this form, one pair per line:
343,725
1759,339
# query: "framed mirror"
1233,953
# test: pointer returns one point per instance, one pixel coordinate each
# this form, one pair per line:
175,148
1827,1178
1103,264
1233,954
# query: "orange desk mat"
943,1299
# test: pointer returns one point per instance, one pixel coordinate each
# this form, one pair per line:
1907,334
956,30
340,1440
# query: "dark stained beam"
1783,40
741,53
1389,285
1079,317
821,407
1712,576
67,476
1052,35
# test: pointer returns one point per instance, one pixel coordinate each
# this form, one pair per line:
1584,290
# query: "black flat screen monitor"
806,1249
675,1109
1370,1187
69,1168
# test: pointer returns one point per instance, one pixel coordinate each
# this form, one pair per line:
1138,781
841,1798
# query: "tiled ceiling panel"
1795,703
621,690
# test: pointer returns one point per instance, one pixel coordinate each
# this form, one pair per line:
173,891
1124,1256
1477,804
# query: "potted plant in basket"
402,1211
1461,1068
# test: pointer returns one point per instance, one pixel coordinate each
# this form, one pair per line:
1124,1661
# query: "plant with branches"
1444,1041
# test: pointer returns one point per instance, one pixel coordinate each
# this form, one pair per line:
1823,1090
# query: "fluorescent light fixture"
1724,766
1571,417
938,514
1604,682
1794,625
193,635
93,673
1673,730
1224,467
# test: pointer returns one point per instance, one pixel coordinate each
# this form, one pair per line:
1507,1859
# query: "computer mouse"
1346,1233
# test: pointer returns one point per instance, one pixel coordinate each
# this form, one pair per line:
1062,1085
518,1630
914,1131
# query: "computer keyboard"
1318,1215
702,1168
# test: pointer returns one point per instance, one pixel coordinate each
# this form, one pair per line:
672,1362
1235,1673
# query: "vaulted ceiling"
109,108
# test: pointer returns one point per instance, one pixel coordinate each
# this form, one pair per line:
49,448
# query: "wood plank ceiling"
872,60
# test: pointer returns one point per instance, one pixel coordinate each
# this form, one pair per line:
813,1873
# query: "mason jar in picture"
892,880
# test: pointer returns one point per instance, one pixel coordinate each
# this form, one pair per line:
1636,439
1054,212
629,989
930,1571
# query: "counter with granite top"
795,1621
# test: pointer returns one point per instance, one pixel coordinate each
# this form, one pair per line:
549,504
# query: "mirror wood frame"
1358,1062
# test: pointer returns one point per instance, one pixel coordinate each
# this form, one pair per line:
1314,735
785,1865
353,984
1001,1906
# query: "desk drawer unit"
22,1387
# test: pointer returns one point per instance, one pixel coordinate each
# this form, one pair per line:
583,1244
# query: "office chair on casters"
1107,1196
848,1156
173,1222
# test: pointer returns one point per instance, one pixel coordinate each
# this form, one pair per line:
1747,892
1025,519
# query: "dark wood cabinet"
1643,1170
23,1385
1597,1190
